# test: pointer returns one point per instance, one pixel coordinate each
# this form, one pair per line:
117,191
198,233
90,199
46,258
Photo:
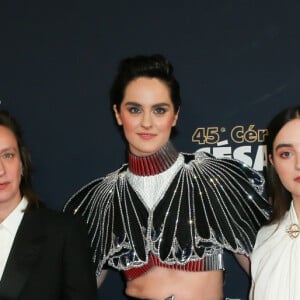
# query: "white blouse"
275,261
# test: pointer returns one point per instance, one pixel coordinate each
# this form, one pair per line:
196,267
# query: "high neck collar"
153,164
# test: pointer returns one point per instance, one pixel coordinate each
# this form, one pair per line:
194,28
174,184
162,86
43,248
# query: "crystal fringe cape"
210,204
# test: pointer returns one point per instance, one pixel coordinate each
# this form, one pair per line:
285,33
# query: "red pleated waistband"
191,266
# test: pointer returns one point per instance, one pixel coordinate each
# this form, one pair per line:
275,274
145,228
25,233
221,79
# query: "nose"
146,121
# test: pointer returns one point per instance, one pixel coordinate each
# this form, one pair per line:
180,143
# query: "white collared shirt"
8,230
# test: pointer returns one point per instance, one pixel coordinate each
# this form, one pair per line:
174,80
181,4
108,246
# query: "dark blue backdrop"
237,62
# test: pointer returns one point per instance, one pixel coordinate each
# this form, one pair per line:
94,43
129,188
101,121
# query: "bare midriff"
160,283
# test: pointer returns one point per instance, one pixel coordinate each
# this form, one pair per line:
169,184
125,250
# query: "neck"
153,164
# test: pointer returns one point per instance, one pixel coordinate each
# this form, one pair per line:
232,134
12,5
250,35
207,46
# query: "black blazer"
49,260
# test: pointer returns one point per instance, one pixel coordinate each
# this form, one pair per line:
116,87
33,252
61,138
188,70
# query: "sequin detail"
211,204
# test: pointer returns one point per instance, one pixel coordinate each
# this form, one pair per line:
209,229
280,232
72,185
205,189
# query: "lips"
146,136
3,185
297,179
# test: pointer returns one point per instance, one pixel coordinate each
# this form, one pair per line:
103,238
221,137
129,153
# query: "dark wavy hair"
26,188
279,196
152,66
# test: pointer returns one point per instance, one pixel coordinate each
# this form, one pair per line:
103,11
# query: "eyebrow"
155,105
8,149
282,145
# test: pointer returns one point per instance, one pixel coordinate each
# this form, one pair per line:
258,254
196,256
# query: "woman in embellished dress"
164,218
276,255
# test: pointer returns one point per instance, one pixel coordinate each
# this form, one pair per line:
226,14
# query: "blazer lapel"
23,255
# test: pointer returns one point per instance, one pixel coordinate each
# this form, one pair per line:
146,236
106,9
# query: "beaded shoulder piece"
210,204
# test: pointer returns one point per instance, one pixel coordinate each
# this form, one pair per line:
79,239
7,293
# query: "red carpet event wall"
237,63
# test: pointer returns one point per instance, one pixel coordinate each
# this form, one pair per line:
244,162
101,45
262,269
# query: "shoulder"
276,228
265,233
266,230
208,164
